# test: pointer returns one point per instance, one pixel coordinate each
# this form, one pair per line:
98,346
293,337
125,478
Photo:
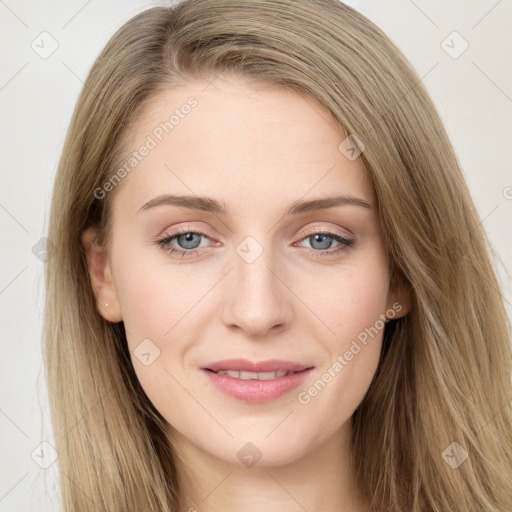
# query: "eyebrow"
211,205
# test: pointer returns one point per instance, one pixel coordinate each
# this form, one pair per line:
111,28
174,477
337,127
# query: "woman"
270,285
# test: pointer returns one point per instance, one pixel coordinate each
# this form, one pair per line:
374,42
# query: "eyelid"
186,229
319,229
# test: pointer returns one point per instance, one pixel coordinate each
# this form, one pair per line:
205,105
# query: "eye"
321,241
187,243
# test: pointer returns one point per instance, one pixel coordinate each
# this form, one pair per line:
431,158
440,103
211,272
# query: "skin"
257,150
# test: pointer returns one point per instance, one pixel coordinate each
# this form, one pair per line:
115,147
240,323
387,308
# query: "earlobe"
399,301
101,277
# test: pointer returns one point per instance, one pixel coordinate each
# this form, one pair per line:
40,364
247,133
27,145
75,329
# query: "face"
239,276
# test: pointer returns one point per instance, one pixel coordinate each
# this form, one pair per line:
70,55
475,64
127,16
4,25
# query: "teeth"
254,375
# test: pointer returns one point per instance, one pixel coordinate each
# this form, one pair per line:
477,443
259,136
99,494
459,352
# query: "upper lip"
270,365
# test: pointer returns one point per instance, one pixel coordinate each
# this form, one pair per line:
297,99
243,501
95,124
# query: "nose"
258,300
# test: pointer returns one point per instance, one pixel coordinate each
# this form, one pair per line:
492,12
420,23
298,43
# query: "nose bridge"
258,299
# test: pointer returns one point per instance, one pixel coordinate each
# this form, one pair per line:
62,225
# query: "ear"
399,300
101,277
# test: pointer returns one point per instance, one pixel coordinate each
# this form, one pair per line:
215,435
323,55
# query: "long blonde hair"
445,370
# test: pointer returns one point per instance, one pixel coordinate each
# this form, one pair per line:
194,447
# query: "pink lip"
253,390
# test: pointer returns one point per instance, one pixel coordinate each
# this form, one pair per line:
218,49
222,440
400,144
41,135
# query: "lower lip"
257,391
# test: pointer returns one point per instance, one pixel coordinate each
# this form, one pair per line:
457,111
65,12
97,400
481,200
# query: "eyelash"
346,243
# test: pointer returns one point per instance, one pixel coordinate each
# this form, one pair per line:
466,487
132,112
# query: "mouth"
243,375
245,366
256,382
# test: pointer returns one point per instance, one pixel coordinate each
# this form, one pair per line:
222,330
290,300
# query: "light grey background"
473,94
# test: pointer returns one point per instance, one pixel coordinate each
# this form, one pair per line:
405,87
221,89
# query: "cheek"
354,310
350,300
161,314
156,299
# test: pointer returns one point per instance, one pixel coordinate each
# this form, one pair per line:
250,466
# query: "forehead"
242,140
